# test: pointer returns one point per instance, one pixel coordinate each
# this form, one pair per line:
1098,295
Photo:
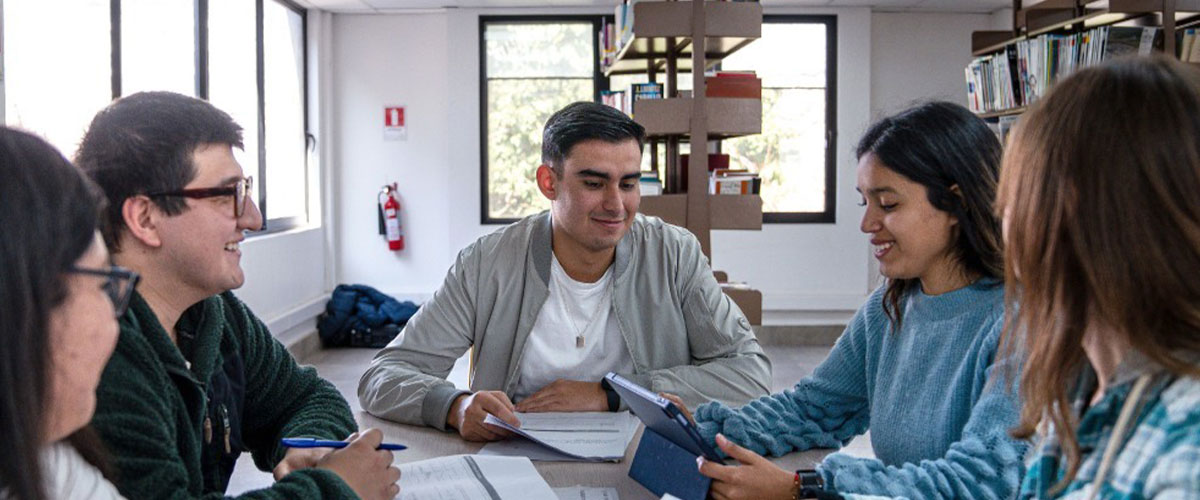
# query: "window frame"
829,214
826,216
599,84
201,59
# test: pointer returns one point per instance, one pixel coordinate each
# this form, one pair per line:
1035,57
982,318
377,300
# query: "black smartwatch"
614,399
809,478
812,485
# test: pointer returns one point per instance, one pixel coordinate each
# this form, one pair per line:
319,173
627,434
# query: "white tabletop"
424,443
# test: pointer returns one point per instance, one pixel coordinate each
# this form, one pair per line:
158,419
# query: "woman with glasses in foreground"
1099,196
58,293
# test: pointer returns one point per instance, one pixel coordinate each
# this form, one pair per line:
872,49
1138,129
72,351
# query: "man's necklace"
580,337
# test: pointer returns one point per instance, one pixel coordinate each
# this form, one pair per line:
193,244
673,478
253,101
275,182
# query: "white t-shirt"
575,336
68,475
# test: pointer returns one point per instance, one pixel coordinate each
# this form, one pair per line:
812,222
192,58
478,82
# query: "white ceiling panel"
874,3
409,4
343,6
986,6
371,6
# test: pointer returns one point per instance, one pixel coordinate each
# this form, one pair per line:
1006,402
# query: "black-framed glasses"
240,193
119,284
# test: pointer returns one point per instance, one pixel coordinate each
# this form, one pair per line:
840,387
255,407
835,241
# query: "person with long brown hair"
1100,197
915,364
59,302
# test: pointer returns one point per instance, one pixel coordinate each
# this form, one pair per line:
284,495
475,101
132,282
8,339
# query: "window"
158,46
534,66
232,71
284,117
795,153
55,84
530,68
246,57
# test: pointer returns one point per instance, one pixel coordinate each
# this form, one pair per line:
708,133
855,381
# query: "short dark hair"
940,145
48,218
145,143
582,121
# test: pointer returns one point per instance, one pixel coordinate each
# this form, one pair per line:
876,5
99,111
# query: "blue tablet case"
665,461
664,467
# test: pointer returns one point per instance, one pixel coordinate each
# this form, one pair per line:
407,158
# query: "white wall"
430,62
395,60
919,57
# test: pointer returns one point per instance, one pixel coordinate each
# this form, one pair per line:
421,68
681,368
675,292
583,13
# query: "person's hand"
756,478
369,472
300,458
468,411
678,404
566,395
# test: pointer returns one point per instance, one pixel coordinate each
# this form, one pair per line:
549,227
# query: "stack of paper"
586,493
582,436
472,477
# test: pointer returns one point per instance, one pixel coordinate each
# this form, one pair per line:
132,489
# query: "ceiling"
402,6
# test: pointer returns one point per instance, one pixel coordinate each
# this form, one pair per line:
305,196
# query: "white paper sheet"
584,436
586,493
472,477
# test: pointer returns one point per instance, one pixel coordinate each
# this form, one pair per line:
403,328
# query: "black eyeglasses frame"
242,189
116,275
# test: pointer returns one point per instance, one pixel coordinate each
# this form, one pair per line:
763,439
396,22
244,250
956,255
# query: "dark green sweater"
153,410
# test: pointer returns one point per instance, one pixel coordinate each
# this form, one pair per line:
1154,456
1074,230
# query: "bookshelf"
670,37
1034,21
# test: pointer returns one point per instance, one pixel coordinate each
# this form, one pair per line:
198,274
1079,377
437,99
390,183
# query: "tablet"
662,416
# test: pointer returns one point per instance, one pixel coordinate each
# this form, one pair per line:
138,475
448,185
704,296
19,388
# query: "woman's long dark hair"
941,145
48,217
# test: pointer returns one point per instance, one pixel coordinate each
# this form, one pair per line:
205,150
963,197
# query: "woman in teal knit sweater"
916,363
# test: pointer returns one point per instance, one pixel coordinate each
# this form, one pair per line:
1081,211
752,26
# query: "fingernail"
721,439
699,462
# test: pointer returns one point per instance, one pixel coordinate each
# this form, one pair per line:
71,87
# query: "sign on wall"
394,128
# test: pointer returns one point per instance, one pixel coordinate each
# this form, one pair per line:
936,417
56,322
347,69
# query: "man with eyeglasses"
196,378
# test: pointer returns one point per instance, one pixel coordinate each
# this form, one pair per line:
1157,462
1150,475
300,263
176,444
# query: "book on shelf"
650,185
1005,125
739,184
608,48
715,161
1189,50
733,181
733,74
740,84
613,98
614,37
1023,71
626,100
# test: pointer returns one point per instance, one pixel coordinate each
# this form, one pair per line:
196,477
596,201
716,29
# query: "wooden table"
424,443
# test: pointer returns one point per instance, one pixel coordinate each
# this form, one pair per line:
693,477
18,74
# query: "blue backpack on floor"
361,316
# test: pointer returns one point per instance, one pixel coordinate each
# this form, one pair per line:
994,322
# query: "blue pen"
320,443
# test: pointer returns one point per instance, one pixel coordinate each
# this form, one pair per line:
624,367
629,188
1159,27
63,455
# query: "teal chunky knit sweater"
938,423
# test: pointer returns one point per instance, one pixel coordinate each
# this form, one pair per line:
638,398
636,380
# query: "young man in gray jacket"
553,302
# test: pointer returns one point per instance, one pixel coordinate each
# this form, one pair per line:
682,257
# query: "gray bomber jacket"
684,334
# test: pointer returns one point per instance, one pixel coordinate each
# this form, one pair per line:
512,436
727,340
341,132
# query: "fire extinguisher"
391,218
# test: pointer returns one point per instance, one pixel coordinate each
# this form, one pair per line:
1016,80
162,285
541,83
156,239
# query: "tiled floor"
343,367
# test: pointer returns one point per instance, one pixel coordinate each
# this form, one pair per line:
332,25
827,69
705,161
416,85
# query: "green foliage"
533,70
517,111
789,154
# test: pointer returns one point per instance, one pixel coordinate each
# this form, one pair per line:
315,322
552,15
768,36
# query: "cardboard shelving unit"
673,37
